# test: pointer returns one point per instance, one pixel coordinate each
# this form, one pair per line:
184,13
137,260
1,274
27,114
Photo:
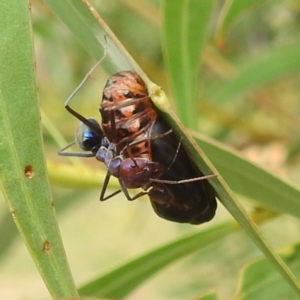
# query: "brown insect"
140,149
127,114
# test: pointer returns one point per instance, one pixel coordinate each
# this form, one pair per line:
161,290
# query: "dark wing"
190,202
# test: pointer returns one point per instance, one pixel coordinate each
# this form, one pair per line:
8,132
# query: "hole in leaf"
29,172
46,246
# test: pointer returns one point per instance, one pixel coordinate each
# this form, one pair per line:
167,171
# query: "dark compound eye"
86,138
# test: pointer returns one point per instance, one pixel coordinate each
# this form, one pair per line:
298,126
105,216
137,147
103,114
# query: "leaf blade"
121,281
184,36
23,176
256,73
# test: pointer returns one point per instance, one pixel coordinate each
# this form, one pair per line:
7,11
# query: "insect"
140,149
127,112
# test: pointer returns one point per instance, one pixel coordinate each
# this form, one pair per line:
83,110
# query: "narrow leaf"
23,177
232,11
93,33
250,180
255,73
260,281
222,190
185,32
120,282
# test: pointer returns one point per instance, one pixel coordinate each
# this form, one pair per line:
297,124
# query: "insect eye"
87,138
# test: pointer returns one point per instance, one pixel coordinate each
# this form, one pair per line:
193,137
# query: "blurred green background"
259,116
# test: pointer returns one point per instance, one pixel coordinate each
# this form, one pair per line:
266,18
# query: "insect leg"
104,187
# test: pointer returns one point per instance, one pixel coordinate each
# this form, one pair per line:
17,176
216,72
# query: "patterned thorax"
128,113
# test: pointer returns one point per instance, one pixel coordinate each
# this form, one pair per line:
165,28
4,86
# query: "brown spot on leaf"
46,246
28,171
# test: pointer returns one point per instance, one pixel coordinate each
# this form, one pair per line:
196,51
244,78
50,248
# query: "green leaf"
256,73
185,32
120,282
23,176
82,177
221,188
93,33
210,296
232,11
249,180
260,281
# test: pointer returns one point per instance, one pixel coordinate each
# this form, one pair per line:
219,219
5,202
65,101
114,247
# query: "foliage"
233,73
